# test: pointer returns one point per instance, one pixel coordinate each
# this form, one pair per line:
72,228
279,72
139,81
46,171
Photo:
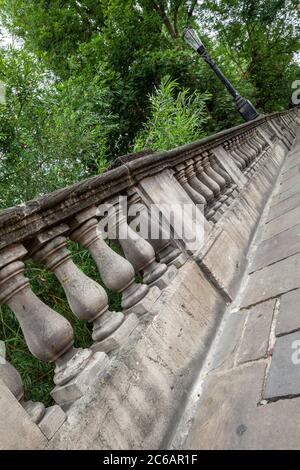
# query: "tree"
261,39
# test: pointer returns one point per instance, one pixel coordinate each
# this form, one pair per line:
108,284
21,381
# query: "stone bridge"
205,353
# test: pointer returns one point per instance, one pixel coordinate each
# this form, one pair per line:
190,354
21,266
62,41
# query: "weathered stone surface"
166,278
190,226
223,260
17,430
294,190
52,421
83,382
289,183
119,337
229,418
232,328
255,341
295,170
281,208
284,373
288,319
280,246
228,164
146,303
135,405
273,281
282,223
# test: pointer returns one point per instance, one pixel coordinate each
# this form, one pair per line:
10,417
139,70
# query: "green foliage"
52,133
176,117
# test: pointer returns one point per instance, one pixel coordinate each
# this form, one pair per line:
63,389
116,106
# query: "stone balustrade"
208,174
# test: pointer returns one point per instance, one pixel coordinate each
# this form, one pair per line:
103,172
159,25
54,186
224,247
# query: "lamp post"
244,106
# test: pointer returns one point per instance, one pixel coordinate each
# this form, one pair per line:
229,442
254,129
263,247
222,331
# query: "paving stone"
255,341
280,246
228,416
273,281
282,207
295,170
292,160
286,194
282,223
289,183
284,373
289,319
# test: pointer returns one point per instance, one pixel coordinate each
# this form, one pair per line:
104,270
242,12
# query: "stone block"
187,221
278,247
228,164
11,253
288,319
282,223
273,281
17,430
284,374
166,278
52,421
146,303
222,260
255,340
119,337
279,208
84,381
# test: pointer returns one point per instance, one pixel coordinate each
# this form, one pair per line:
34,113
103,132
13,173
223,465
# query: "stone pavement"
248,394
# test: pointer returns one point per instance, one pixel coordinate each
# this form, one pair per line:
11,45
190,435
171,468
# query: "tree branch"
192,8
160,10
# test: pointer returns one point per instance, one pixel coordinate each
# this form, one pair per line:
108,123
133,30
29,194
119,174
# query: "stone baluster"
194,181
116,272
231,188
250,149
181,176
87,299
166,251
12,379
213,203
203,188
215,173
241,149
48,335
240,161
138,251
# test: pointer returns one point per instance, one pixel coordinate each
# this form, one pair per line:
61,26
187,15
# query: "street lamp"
245,107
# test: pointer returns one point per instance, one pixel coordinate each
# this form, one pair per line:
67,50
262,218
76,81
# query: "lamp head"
192,38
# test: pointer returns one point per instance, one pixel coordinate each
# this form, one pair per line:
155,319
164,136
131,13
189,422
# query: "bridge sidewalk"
248,396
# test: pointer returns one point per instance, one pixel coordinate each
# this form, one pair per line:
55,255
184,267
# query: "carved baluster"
166,251
139,251
48,335
87,299
213,204
203,188
117,273
12,379
241,150
230,186
181,177
216,174
250,150
240,161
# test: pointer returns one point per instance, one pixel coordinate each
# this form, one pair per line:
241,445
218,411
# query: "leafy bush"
176,117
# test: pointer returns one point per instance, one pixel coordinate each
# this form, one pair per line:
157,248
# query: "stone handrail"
209,173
